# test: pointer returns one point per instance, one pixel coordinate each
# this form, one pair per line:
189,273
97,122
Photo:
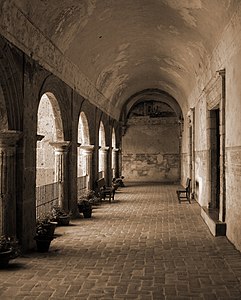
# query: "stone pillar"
61,150
115,159
104,157
8,143
88,154
119,165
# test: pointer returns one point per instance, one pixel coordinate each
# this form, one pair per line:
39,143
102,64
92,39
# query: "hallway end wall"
151,150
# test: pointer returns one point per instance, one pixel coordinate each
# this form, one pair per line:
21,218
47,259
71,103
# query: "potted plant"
60,216
44,232
47,222
9,249
90,195
85,207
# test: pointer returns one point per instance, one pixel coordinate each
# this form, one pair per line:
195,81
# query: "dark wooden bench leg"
188,197
178,196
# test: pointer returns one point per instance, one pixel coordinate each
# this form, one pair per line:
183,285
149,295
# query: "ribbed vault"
124,47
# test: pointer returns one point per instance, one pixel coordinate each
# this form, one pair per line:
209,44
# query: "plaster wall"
151,150
226,55
233,150
185,155
201,153
184,167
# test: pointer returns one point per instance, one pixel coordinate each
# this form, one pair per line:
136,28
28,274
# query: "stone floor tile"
145,245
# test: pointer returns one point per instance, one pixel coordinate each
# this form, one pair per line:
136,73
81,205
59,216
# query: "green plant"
44,226
60,216
8,243
41,230
44,219
84,205
57,212
89,195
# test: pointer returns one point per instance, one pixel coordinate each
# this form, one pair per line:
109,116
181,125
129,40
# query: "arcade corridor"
94,90
142,246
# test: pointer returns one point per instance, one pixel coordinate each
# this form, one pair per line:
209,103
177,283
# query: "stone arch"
152,130
53,86
149,95
83,130
83,141
49,129
102,140
113,138
102,150
113,153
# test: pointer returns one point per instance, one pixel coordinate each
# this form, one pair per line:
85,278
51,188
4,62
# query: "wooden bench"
183,194
105,191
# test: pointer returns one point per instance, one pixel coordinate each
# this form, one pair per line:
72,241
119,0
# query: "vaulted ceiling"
126,46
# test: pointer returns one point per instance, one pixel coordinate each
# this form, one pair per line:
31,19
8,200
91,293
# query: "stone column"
119,166
8,144
61,150
115,159
104,157
88,154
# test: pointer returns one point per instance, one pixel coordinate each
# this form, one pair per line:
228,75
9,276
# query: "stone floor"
142,246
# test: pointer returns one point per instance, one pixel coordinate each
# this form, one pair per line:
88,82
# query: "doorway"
214,203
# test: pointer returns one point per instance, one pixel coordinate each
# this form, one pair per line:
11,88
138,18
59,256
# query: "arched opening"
83,140
214,136
49,130
101,167
83,153
113,154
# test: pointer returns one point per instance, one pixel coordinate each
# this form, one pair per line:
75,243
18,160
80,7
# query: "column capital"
104,149
10,137
115,149
87,148
60,146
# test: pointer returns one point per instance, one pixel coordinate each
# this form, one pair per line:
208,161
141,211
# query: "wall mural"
153,109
